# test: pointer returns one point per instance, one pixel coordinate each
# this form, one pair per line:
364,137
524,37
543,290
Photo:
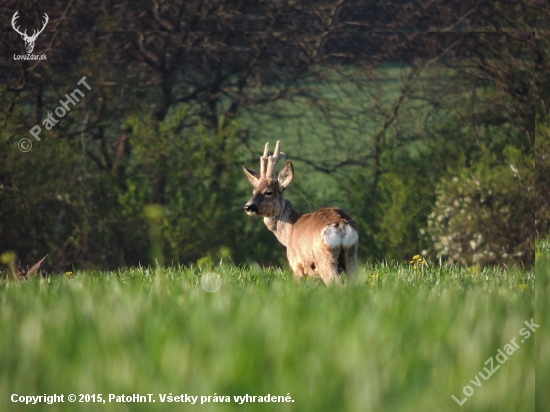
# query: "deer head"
267,199
29,40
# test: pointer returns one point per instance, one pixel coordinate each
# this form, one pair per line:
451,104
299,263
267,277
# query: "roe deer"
320,244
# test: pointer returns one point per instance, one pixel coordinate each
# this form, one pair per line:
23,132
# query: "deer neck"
281,225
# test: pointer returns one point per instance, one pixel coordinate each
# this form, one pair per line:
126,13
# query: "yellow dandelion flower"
417,261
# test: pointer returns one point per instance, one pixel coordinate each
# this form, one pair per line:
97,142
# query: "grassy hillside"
327,123
399,339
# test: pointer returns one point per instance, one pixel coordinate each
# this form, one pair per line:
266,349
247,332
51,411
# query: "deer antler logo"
29,40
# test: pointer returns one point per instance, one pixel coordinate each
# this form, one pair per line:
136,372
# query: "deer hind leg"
327,265
349,251
349,255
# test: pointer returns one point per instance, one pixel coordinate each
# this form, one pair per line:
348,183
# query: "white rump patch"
344,236
332,236
351,236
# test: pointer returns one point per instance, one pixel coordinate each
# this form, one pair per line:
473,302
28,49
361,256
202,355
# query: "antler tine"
37,32
264,161
13,21
277,155
277,149
46,20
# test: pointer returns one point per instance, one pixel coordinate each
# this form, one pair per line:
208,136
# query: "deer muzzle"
251,209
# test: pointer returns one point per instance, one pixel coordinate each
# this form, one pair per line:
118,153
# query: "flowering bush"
485,213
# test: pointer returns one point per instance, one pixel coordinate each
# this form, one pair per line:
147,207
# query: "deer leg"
350,262
327,265
298,272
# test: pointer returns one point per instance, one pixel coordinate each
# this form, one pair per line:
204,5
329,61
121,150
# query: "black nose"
251,208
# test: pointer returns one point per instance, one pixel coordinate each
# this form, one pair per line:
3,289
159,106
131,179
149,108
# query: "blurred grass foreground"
401,339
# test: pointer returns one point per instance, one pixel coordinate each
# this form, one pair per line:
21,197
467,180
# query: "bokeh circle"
211,282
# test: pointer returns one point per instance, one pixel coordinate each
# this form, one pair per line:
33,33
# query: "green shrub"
484,214
195,176
65,199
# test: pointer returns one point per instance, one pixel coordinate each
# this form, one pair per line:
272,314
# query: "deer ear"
252,176
286,175
32,271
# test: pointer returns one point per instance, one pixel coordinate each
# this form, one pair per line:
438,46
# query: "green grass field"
398,340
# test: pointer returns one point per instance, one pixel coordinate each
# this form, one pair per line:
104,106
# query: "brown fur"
310,255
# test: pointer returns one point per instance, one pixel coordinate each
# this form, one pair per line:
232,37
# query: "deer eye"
268,193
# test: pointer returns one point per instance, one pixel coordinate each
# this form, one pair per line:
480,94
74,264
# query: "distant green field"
399,339
327,122
335,120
